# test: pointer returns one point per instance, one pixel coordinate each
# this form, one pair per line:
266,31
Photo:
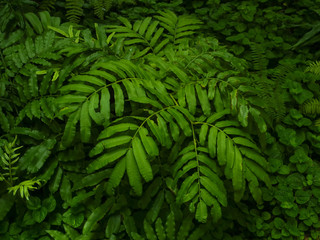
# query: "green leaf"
6,201
34,21
81,196
245,142
88,79
259,120
113,225
125,22
171,226
85,123
212,141
222,148
204,100
119,99
71,233
65,189
180,74
156,36
141,159
35,157
214,190
160,230
259,172
253,155
55,183
133,173
136,236
56,235
94,104
40,214
237,171
185,187
149,230
92,179
302,197
121,127
214,117
185,227
217,101
309,35
202,212
49,203
70,129
68,99
148,143
107,76
216,211
109,143
182,122
152,27
97,215
156,131
116,176
230,157
203,134
164,134
105,104
105,159
81,88
146,100
73,217
191,98
161,45
154,211
34,203
243,115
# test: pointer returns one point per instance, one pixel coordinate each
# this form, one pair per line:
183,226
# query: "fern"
149,34
101,7
260,63
178,27
74,10
311,107
167,230
9,160
47,5
143,111
314,68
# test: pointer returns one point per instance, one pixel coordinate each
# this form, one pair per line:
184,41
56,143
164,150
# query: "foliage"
147,128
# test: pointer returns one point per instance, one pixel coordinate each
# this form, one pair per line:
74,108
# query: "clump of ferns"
314,67
9,160
311,108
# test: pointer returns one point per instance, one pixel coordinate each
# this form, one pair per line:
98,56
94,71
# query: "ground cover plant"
154,127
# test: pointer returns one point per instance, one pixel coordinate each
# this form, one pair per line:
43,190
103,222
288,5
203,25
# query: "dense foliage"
159,120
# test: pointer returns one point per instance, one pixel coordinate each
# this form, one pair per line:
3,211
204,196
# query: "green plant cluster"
148,127
277,25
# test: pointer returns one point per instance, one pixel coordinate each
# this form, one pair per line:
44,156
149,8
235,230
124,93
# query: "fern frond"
311,107
179,27
314,67
170,229
146,33
101,7
260,62
47,5
74,10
